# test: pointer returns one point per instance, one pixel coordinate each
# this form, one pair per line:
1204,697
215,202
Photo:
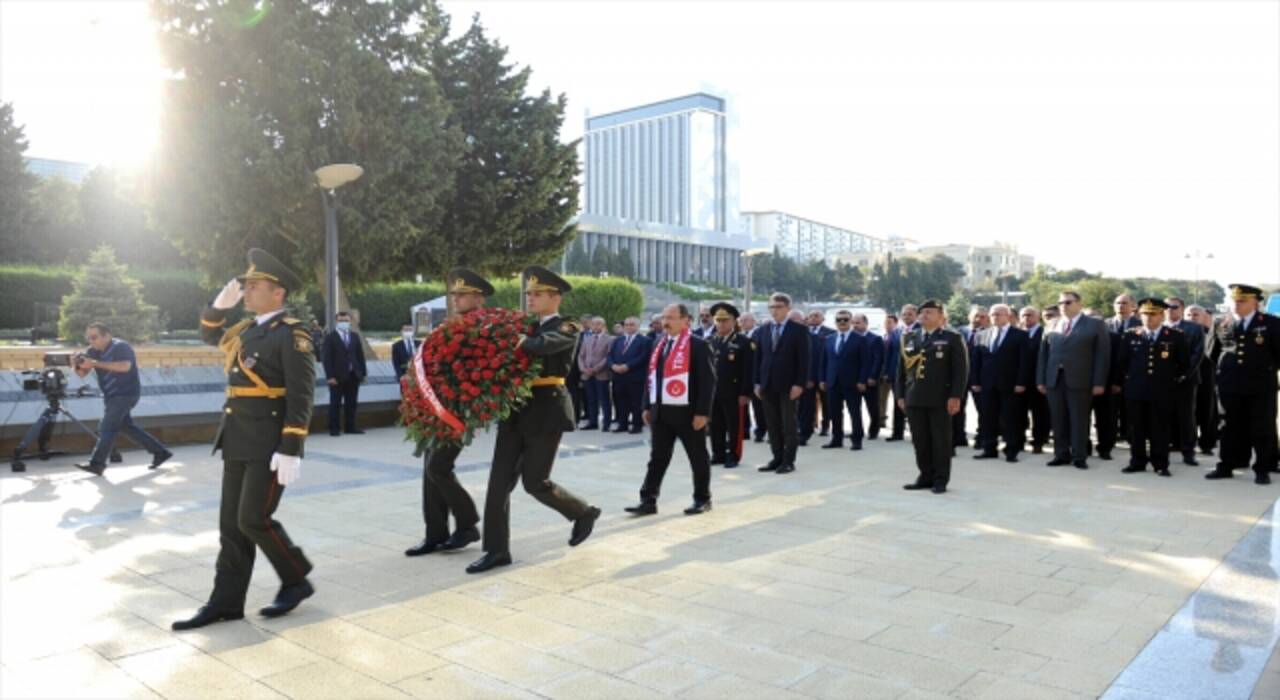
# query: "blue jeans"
116,418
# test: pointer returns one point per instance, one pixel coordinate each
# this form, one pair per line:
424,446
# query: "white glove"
229,296
287,468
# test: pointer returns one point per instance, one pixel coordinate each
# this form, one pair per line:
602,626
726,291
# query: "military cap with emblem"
1240,292
1152,305
723,311
264,266
930,304
463,280
540,279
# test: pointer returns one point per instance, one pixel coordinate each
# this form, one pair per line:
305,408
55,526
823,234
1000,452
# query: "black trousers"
871,399
1000,416
250,496
670,423
932,440
899,415
1249,426
780,414
1183,434
1105,420
958,436
838,399
1207,414
1149,422
523,458
442,494
820,405
807,413
759,424
343,398
1038,416
1069,409
728,427
628,396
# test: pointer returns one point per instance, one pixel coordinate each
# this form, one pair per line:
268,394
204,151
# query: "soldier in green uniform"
1153,360
441,491
1250,341
529,438
930,385
271,381
734,352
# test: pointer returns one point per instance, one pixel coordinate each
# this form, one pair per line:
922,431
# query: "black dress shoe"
462,538
823,433
590,426
917,486
1163,472
1037,449
872,436
1058,462
939,489
334,433
95,469
1104,455
759,438
770,467
730,464
115,458
1011,458
895,438
582,526
160,458
1219,473
490,560
698,508
424,547
986,455
619,429
354,431
1133,469
636,430
288,598
1189,459
1262,479
1081,464
206,615
642,508
856,446
786,468
717,460
802,442
832,444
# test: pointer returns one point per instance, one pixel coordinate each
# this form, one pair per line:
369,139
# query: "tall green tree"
113,213
16,185
601,260
103,291
516,187
578,262
623,266
55,230
265,93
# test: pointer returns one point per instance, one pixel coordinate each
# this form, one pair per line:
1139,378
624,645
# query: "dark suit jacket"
844,369
702,377
872,357
636,358
335,357
400,356
1004,369
892,354
1084,355
779,369
1031,361
817,341
1194,334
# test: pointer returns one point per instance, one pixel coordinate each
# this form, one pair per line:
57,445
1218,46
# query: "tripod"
42,430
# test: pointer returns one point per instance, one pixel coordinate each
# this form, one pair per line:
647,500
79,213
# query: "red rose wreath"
469,373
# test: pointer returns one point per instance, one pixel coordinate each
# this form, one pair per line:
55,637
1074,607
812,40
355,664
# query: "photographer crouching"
117,368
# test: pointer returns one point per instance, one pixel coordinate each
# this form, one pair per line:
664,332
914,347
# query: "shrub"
103,291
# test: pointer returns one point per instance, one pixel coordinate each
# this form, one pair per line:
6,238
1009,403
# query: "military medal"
1164,355
1258,339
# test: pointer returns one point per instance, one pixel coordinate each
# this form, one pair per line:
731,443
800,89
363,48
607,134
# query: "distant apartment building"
46,168
805,240
982,264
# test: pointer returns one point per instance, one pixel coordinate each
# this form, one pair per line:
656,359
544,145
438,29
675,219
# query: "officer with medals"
930,385
733,352
442,493
1250,342
529,438
271,381
1153,361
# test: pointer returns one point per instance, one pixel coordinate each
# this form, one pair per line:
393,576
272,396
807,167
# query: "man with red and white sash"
677,404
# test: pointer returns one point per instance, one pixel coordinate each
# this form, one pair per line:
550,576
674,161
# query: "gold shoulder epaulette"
290,321
570,326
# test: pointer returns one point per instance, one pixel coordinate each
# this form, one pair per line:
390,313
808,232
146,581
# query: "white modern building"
985,264
46,168
656,182
805,240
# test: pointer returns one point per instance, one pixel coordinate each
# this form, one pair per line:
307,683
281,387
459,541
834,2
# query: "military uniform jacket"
934,367
1250,357
555,342
1152,369
734,364
275,360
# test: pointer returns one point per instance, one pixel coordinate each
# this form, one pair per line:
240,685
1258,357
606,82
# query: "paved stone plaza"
833,582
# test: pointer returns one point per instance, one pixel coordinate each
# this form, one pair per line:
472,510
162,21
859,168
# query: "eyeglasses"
777,306
1066,302
843,320
1174,306
92,337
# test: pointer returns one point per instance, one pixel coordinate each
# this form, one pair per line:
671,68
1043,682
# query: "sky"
1121,137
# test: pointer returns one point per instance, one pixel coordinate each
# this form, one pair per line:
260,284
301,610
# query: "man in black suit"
1183,434
1110,414
979,321
1247,365
344,370
756,422
999,378
1074,366
814,397
1206,389
403,350
677,404
780,375
1153,358
628,359
840,372
1037,403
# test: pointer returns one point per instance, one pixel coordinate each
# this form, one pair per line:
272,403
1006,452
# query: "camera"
51,381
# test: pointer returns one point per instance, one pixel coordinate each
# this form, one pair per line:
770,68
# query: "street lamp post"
330,178
746,257
1197,257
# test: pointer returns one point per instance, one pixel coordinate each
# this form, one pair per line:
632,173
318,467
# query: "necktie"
995,342
840,344
777,331
666,348
1066,330
626,344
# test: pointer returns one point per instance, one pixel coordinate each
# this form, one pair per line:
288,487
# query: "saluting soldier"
931,383
529,437
1247,385
271,381
734,352
442,493
1153,360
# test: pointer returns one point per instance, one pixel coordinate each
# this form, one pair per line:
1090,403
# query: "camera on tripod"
51,381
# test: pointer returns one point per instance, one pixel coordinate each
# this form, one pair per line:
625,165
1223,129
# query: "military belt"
548,381
253,392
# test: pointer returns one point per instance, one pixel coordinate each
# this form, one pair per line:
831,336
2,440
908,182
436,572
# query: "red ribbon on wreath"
424,387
